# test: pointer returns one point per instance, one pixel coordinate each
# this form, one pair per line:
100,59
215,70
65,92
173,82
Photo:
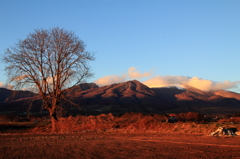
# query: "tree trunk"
53,115
54,120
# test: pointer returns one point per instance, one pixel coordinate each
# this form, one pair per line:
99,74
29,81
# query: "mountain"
131,92
122,97
133,96
10,95
19,101
227,94
137,97
74,91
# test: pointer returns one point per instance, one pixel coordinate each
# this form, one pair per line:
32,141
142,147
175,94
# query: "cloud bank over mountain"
183,81
168,80
3,85
160,81
132,73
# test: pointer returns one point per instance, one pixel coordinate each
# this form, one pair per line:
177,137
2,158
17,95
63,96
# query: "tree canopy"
48,61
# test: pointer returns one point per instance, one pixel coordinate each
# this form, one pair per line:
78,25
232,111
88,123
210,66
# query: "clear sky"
158,42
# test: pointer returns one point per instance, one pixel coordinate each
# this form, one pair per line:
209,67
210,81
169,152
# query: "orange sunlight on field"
132,135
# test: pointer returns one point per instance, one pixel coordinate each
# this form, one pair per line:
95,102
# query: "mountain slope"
10,95
126,96
133,96
227,94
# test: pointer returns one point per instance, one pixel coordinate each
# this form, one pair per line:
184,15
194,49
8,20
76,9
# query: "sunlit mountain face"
132,96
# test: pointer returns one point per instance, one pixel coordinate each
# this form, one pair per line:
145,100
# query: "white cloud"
160,81
168,80
202,84
134,73
8,86
106,80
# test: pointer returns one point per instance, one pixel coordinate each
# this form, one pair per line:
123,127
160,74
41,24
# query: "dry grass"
127,123
137,122
132,135
232,120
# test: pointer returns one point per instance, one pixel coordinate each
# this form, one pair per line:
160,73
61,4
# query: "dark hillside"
133,96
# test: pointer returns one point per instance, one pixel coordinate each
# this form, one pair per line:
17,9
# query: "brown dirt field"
91,145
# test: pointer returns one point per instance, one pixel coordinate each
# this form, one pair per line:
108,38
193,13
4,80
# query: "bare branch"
49,60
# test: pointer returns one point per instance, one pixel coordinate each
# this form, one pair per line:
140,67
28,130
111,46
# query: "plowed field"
117,145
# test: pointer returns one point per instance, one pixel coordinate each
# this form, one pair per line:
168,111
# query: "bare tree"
49,61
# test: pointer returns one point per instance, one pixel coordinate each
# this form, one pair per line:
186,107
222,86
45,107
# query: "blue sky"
163,41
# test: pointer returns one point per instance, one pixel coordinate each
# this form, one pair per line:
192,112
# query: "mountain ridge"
134,96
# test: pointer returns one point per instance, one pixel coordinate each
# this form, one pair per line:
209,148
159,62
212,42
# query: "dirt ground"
116,145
